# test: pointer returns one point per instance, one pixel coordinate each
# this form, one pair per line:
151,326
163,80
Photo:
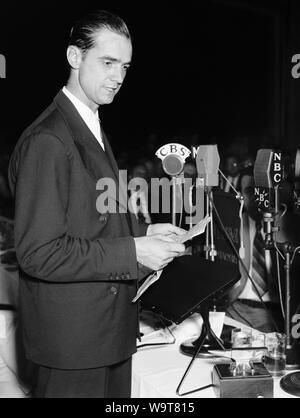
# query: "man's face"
103,68
231,166
247,190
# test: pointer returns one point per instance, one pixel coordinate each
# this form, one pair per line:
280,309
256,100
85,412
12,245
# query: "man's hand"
165,229
156,251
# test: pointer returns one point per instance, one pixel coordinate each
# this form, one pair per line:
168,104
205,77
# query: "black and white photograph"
150,202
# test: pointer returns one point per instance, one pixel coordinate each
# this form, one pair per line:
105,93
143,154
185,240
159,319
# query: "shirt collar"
85,112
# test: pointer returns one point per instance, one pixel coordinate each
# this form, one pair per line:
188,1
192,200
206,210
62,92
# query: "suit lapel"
109,154
98,164
91,152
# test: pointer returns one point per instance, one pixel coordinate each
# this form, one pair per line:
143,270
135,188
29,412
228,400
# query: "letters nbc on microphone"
267,175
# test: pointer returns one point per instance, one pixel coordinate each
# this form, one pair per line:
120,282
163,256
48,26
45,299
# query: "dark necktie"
259,271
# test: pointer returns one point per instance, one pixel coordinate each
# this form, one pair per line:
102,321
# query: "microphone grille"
173,165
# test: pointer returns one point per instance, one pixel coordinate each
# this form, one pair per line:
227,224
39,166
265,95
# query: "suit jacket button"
114,290
102,218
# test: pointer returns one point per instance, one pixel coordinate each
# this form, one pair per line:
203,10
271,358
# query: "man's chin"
106,101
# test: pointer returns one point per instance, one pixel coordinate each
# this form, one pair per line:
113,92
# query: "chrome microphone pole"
208,161
174,201
292,356
287,268
207,247
212,248
292,360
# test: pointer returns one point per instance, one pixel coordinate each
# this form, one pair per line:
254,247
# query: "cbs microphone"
173,158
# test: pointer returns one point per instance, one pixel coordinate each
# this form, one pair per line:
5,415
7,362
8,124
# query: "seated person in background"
232,174
244,303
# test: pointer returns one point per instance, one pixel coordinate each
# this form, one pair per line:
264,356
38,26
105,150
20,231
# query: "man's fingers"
172,229
174,248
170,239
166,238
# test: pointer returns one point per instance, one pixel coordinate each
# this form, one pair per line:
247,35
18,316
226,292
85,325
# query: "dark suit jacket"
78,267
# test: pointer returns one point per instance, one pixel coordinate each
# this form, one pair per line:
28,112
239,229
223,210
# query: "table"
157,372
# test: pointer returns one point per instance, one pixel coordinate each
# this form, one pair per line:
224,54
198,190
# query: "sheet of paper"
198,229
147,283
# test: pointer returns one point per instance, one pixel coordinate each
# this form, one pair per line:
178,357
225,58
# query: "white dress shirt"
90,118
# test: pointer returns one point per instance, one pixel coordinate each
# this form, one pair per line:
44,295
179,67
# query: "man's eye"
126,67
108,63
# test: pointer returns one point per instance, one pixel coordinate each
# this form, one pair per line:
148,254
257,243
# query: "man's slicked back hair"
85,30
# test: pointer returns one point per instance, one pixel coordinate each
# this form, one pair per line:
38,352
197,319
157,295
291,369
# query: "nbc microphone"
268,173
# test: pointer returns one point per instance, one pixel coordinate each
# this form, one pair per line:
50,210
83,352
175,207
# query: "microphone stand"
201,346
207,341
290,383
292,358
174,201
212,342
210,250
176,180
207,247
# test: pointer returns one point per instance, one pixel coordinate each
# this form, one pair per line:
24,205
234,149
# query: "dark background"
203,71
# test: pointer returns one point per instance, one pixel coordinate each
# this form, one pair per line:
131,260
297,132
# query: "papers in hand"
198,229
147,283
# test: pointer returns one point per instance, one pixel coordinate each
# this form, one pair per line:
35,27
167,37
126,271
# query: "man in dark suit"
79,263
245,303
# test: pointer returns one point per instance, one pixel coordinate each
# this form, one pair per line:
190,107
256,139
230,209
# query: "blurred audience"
231,171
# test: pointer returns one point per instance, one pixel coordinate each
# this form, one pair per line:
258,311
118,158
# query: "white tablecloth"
157,372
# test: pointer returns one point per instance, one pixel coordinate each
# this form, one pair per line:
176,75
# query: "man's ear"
74,56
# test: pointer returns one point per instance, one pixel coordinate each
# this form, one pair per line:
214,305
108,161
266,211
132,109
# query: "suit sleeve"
139,228
41,173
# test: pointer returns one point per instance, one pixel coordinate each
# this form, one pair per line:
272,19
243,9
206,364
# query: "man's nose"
118,75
